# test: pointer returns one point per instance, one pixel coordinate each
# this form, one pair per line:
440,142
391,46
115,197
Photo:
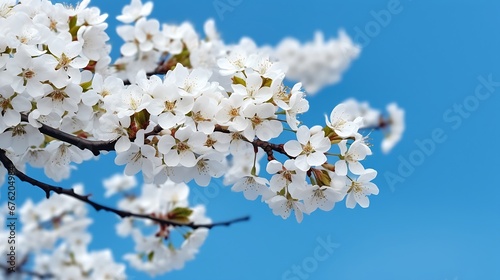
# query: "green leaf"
187,235
180,214
86,85
72,21
151,256
239,81
266,82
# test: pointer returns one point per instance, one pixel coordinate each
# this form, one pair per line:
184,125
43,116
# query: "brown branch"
149,74
9,165
382,123
92,145
157,129
161,69
95,146
168,62
268,147
20,270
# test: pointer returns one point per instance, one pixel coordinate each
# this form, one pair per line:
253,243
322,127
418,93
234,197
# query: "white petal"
341,168
303,135
356,168
363,201
316,159
133,167
371,187
274,166
122,144
187,159
11,118
350,201
171,158
343,147
369,175
301,163
129,49
293,148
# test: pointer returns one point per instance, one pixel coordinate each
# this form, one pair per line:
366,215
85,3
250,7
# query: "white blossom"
118,183
253,187
396,129
310,148
352,157
134,11
361,188
209,111
344,121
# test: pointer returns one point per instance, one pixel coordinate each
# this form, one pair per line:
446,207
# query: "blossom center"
357,187
18,130
350,158
256,120
202,166
308,148
198,117
319,194
136,157
64,61
340,124
58,95
189,86
287,175
4,103
233,113
5,10
182,146
236,136
239,62
28,74
53,24
210,142
170,105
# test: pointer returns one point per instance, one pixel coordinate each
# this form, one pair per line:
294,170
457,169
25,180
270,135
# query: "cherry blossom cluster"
177,108
48,56
54,238
158,253
315,64
393,124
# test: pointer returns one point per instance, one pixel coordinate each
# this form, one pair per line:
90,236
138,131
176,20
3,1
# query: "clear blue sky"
439,221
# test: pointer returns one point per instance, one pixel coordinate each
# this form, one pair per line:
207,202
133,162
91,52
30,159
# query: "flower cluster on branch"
177,108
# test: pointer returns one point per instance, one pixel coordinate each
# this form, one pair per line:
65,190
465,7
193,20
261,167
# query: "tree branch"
19,270
92,145
161,69
9,165
268,147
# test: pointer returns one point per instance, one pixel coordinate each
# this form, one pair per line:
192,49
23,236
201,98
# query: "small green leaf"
151,256
327,130
86,85
266,82
180,214
72,21
187,235
239,81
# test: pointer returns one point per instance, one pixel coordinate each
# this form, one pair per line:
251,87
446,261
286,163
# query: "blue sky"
438,220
